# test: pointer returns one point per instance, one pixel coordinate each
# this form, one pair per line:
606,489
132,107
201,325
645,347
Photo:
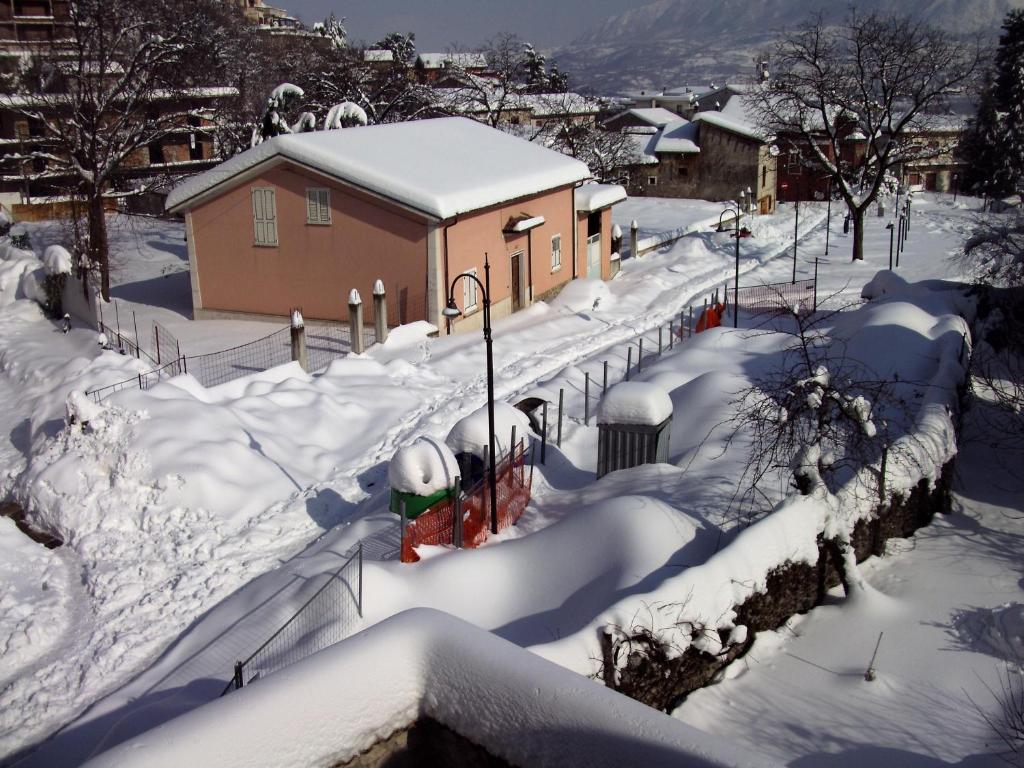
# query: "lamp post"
892,229
956,186
899,241
828,214
736,234
796,233
452,311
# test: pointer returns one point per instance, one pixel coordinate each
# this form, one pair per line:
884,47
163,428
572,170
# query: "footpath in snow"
213,488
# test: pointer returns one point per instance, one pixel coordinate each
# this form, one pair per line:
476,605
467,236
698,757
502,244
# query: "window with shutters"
264,216
318,205
469,291
556,253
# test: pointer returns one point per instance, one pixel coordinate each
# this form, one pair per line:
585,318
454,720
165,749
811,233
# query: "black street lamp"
736,234
452,311
892,229
956,186
796,233
899,241
828,214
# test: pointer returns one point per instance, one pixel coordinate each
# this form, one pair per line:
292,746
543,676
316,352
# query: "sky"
462,23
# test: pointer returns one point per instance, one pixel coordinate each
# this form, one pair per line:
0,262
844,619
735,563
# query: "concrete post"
299,352
380,312
355,321
634,229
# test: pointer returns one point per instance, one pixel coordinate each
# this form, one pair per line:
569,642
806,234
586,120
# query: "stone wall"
656,679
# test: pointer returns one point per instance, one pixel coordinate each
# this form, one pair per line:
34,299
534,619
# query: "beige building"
302,219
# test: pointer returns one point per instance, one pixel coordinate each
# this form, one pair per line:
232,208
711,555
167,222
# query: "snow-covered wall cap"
354,298
634,224
616,231
526,224
440,167
470,435
297,321
593,197
378,288
634,402
57,260
424,662
423,467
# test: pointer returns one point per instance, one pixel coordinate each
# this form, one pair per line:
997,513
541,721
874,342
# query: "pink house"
302,219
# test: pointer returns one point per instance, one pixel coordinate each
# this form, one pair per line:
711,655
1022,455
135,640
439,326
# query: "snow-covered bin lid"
57,260
593,197
635,402
470,435
424,467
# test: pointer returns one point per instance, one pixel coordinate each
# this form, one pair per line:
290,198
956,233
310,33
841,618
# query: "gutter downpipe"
575,227
448,322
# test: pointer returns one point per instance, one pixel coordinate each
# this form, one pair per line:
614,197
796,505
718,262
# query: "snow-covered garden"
196,520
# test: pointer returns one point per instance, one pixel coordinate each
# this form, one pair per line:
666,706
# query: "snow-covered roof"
378,54
342,701
653,116
593,197
679,136
465,59
732,124
635,402
440,167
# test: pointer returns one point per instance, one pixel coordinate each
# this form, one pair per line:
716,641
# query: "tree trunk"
858,233
98,250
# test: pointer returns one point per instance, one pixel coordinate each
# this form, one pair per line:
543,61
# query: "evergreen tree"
994,144
535,72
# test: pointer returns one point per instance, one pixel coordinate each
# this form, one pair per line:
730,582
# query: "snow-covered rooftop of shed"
679,136
340,702
592,197
442,167
634,402
378,54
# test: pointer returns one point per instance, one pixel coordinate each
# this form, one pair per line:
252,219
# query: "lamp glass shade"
451,310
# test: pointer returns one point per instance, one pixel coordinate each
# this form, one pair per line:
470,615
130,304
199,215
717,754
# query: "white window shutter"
271,212
312,212
325,206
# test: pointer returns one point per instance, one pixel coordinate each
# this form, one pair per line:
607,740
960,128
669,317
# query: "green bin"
416,505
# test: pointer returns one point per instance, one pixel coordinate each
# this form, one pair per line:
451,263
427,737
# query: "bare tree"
883,77
123,81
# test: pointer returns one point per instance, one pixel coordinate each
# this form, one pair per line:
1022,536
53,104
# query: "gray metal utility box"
633,427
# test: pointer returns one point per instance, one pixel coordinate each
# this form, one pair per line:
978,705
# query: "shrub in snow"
57,264
272,123
345,115
80,410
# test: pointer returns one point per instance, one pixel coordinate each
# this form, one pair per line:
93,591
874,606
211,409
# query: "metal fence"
471,508
121,342
778,297
165,344
328,617
219,367
139,381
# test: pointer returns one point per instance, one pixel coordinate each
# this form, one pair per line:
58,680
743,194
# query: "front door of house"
517,281
594,256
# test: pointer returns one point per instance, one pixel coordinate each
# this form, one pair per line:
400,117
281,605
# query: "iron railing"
139,381
328,617
778,297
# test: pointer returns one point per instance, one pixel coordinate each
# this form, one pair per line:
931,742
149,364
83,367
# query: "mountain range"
669,43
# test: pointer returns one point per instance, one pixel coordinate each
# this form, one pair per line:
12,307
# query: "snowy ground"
185,495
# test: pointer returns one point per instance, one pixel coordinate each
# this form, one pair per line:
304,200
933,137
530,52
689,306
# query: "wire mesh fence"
328,617
778,297
165,344
219,367
123,343
139,381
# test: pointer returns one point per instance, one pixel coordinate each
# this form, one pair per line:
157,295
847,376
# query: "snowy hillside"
672,42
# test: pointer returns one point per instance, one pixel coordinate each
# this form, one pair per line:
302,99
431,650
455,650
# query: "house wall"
313,266
728,163
470,237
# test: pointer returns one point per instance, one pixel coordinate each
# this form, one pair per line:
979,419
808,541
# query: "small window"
764,175
156,153
652,181
684,172
469,288
318,206
556,252
264,216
